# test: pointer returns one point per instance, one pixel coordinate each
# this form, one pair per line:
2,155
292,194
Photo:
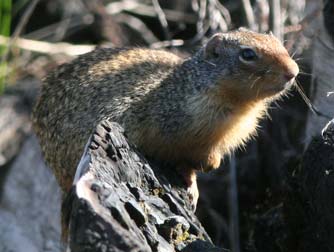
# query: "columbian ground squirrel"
186,112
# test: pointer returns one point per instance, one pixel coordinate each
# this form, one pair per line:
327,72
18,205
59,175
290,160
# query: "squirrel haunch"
188,112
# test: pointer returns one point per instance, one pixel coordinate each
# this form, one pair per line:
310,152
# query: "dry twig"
137,25
168,43
249,14
275,18
48,48
261,13
146,10
162,18
299,28
75,22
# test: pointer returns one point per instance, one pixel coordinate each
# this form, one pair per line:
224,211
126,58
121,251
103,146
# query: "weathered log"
304,221
120,202
309,209
322,69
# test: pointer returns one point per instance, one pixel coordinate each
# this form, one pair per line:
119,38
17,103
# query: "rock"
30,204
14,126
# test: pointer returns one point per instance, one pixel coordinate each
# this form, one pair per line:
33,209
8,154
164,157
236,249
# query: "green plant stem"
5,23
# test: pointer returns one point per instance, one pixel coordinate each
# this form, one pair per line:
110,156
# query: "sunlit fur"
187,112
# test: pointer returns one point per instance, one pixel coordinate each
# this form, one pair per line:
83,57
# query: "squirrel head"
248,65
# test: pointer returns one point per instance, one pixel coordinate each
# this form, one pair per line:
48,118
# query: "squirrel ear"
213,47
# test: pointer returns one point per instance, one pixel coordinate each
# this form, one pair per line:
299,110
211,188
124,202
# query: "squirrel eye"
248,54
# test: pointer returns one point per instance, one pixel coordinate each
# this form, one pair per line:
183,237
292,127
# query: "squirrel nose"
291,71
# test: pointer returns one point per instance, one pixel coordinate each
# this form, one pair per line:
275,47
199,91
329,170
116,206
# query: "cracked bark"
120,202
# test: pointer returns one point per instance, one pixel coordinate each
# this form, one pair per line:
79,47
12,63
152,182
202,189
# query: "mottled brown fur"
188,112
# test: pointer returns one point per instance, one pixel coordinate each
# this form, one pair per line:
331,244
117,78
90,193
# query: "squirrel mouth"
289,84
279,88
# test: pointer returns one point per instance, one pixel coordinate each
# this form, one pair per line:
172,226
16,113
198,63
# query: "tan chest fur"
213,131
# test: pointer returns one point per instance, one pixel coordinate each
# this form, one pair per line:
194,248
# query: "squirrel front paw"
193,194
213,161
189,176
